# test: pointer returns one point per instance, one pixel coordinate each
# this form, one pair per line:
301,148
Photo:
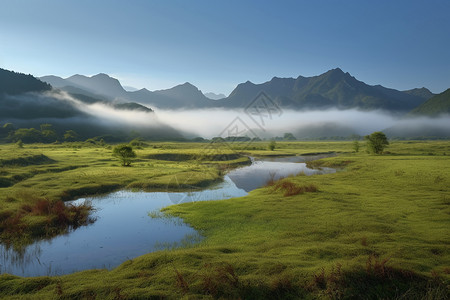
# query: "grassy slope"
438,104
392,207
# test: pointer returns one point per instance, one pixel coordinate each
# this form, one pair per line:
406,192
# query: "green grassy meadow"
377,229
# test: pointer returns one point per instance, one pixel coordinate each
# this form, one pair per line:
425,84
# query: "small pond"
263,169
124,230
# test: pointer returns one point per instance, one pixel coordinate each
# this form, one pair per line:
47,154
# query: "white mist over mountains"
107,114
185,109
209,123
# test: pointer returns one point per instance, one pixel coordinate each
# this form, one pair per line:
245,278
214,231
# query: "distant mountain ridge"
214,96
100,84
420,92
436,105
13,83
103,86
332,89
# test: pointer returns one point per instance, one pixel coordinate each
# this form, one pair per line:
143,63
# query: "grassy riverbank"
34,179
379,229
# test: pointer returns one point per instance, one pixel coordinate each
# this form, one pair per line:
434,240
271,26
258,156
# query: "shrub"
272,145
356,146
290,189
137,142
19,144
124,153
376,142
70,136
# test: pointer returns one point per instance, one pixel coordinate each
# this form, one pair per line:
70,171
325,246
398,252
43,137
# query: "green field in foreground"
377,229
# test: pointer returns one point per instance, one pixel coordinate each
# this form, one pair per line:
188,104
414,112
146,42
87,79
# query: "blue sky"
217,44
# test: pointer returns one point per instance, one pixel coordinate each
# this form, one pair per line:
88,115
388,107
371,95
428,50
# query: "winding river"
124,229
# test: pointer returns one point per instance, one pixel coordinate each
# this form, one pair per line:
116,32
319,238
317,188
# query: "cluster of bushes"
48,133
45,134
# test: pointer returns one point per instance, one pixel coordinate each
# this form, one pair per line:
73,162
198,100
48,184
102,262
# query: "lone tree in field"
376,142
124,153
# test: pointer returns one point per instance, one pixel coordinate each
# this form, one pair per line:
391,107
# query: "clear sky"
217,44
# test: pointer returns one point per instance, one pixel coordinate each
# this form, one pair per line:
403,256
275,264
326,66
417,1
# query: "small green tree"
6,129
289,137
124,153
70,136
272,145
376,142
356,146
48,133
137,142
27,135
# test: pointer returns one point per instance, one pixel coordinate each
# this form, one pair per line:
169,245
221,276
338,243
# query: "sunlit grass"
377,229
69,171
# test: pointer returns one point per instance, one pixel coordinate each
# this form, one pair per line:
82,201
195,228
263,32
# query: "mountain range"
102,86
98,105
332,89
26,101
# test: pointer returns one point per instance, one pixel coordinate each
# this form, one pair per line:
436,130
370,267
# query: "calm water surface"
124,230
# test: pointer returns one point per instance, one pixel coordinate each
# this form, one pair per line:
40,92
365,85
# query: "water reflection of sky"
257,175
124,230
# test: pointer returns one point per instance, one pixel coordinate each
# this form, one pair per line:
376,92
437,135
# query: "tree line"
45,134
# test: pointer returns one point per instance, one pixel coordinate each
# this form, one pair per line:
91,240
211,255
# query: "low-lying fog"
209,123
303,124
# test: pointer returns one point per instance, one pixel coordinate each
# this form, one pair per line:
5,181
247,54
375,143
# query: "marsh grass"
329,283
271,181
57,172
55,217
181,283
276,246
219,281
157,214
289,188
